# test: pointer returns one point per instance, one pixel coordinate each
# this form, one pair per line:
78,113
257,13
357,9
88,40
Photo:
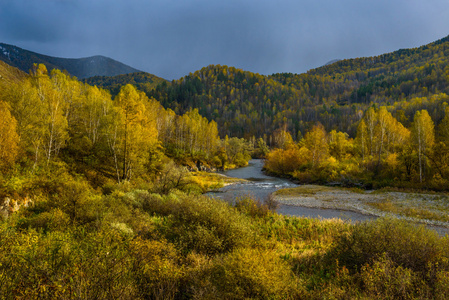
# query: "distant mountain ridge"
80,67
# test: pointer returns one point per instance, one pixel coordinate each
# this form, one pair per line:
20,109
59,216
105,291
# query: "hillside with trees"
80,67
143,81
245,104
51,118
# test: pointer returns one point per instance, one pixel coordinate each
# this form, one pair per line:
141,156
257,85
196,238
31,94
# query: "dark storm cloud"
33,20
172,38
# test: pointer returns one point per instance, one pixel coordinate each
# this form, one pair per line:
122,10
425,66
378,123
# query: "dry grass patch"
303,190
412,210
212,181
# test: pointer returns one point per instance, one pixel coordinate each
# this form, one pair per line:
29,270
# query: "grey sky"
170,38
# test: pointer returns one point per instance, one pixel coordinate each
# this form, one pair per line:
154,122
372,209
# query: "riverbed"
340,204
260,186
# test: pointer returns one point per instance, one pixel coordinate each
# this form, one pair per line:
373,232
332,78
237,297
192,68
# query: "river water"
260,186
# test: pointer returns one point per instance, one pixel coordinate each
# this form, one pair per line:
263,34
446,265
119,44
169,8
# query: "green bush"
55,219
442,285
200,223
410,246
251,207
155,269
383,279
395,259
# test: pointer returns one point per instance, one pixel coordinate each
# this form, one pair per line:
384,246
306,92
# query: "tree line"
383,153
51,117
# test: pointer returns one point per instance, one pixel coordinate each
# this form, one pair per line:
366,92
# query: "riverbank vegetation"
131,243
384,153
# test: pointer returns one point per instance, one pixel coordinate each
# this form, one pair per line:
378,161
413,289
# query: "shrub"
155,269
255,274
407,245
383,279
171,177
442,285
55,219
219,227
251,206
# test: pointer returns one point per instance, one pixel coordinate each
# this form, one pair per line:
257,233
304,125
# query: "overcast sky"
170,38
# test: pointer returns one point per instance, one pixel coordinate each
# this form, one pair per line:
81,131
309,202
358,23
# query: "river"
260,186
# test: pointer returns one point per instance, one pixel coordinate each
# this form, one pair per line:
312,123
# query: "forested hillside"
143,81
79,67
247,104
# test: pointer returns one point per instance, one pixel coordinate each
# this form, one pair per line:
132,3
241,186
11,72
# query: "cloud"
172,38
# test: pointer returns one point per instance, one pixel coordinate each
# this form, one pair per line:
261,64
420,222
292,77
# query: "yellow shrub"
253,273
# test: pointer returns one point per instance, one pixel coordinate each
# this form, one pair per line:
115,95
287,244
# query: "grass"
302,190
412,210
212,181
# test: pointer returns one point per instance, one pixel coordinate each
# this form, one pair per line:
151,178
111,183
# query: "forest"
101,195
335,95
384,153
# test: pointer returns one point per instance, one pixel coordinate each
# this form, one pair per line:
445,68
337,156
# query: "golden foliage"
9,139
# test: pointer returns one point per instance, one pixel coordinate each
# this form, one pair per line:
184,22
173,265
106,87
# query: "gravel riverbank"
431,209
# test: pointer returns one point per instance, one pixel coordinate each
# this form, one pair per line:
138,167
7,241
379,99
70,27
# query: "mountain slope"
141,80
10,74
246,104
81,67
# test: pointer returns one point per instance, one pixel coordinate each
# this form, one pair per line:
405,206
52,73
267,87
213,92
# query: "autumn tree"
361,139
340,146
286,161
40,113
282,139
238,151
135,132
370,122
423,137
384,121
316,141
26,108
55,126
9,139
439,156
261,148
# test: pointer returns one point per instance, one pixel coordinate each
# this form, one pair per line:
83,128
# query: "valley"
102,181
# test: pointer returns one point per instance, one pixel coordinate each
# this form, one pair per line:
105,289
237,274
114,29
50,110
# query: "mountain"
141,80
246,104
79,67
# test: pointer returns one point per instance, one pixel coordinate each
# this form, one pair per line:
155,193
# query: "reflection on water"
260,186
